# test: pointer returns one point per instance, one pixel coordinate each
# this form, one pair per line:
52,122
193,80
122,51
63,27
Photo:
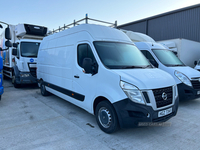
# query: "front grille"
33,71
160,102
195,84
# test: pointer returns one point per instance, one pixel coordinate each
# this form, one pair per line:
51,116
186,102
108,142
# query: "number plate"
164,112
198,92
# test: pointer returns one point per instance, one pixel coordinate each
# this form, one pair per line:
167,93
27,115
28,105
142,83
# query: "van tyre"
14,82
106,117
43,90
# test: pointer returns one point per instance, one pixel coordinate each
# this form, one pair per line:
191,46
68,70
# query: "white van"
187,78
197,65
99,69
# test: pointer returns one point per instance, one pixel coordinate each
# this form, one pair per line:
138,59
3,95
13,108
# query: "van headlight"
132,92
183,78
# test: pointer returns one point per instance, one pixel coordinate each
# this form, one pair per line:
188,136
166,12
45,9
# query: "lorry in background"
187,51
187,78
19,61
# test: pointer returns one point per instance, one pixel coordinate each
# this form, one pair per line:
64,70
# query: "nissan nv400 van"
99,69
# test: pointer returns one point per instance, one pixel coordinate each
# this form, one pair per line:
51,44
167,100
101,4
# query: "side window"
148,55
84,51
144,53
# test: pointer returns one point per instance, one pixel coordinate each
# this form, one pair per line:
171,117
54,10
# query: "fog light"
148,115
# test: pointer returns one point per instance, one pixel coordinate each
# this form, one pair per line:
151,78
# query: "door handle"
76,76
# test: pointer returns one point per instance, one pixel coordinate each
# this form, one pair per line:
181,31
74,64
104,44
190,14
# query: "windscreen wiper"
148,66
179,65
130,67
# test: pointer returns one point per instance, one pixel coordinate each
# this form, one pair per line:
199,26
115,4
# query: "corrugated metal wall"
183,23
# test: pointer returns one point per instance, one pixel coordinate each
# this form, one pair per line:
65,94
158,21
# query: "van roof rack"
86,22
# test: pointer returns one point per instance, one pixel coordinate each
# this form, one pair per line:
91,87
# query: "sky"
55,13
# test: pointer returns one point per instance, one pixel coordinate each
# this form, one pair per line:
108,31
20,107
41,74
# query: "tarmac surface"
30,121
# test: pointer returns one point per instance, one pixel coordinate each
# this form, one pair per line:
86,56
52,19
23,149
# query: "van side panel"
57,60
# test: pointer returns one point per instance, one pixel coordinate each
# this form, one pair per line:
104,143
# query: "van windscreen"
167,58
115,55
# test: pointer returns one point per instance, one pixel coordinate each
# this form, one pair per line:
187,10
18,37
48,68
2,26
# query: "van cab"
99,69
187,78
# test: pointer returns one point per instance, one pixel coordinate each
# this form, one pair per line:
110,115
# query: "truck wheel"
14,82
106,117
43,90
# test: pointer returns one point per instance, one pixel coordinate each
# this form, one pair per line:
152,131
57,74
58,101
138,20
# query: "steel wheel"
106,117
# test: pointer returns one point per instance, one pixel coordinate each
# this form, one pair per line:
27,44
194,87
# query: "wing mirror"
15,45
8,44
89,66
7,33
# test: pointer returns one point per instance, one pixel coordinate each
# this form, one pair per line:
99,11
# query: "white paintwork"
187,51
18,34
188,71
197,67
57,64
138,37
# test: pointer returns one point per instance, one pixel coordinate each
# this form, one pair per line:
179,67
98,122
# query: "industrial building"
181,23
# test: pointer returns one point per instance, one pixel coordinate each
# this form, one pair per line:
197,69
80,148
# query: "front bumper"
186,92
21,79
130,113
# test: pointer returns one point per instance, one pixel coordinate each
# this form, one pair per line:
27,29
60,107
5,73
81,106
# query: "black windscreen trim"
65,91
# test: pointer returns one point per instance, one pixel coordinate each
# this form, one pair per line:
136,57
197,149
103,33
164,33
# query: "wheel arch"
97,101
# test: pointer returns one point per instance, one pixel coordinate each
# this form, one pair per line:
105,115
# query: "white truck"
19,61
187,51
187,78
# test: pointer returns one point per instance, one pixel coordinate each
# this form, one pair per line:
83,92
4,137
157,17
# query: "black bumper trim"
186,92
130,113
25,80
67,92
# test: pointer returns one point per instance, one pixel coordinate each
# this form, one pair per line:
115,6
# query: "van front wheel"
43,90
106,117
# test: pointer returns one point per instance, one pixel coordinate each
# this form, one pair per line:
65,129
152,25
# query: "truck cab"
20,59
25,61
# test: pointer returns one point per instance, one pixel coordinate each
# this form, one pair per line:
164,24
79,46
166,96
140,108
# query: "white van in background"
188,51
197,65
187,78
99,69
